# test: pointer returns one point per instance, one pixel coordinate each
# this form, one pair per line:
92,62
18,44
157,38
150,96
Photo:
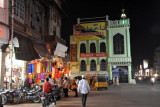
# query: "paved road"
142,94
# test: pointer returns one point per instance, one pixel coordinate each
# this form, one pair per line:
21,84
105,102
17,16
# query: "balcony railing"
119,23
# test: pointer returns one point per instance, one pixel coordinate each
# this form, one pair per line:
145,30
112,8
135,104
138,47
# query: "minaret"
118,42
123,15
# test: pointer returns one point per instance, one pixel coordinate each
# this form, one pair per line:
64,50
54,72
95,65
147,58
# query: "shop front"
18,71
54,67
4,36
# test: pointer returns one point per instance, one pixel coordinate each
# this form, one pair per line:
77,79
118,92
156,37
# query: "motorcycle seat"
11,91
29,93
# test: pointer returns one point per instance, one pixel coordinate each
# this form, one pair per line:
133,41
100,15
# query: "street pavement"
143,94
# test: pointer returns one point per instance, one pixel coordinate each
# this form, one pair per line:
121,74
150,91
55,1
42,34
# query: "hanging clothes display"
33,67
39,70
38,67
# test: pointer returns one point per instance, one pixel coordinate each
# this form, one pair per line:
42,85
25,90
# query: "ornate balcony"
118,23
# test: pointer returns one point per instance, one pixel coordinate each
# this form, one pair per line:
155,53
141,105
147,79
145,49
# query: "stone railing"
118,23
127,59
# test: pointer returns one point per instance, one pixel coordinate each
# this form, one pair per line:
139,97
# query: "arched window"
83,48
83,65
93,65
118,44
92,48
103,47
103,66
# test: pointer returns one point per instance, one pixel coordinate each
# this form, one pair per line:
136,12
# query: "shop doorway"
121,73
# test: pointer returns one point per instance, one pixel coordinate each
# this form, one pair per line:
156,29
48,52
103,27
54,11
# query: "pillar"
78,20
2,67
110,72
88,67
98,68
129,74
23,76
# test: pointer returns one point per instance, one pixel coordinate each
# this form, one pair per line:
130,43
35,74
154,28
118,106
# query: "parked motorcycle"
58,91
10,96
47,99
152,80
1,105
31,95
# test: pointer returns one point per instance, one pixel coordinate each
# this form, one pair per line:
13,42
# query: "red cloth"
47,87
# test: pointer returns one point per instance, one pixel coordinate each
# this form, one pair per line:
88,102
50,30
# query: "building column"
98,68
23,76
2,67
129,74
88,68
110,72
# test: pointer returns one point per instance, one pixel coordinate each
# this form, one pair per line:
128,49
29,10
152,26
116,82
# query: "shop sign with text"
74,66
4,34
93,55
73,52
90,31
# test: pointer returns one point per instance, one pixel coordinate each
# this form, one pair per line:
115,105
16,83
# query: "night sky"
144,22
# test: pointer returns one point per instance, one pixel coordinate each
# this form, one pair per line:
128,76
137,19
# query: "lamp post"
11,50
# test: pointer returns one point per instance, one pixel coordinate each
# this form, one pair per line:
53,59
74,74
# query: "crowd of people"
77,86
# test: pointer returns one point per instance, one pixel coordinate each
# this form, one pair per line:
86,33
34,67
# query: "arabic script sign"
90,31
93,54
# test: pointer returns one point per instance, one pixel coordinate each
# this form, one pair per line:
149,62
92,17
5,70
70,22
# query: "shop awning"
26,49
41,50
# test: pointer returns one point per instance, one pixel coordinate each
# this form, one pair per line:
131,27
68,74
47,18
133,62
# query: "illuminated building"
100,46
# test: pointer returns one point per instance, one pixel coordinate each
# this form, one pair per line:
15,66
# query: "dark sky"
144,22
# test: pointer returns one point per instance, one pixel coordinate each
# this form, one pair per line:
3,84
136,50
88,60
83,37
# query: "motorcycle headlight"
140,78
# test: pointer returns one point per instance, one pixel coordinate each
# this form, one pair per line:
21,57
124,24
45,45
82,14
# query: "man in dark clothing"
65,87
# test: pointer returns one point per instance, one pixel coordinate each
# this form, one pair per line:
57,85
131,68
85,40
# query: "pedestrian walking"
77,81
65,87
84,88
74,88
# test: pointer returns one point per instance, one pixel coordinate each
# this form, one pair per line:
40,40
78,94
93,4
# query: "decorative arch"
82,48
92,48
93,65
83,65
103,65
102,47
118,44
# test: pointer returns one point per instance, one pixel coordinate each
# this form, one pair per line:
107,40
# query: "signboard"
73,52
74,67
60,50
93,55
145,64
4,34
90,31
0,32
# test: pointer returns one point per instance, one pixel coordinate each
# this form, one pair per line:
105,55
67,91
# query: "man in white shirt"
84,88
